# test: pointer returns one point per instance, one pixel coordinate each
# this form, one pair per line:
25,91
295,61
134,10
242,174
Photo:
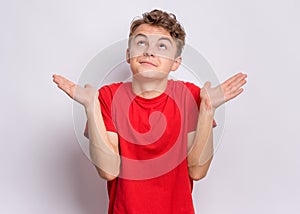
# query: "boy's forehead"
147,29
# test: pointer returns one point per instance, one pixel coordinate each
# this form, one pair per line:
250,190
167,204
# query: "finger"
207,85
62,80
235,94
205,88
238,85
69,91
233,79
56,78
238,80
235,84
228,81
88,86
234,89
64,84
59,80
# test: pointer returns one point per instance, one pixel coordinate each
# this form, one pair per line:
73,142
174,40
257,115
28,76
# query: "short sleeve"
105,98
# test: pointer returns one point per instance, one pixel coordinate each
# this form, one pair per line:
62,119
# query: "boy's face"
152,51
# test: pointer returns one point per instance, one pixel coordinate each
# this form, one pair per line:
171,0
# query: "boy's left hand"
212,98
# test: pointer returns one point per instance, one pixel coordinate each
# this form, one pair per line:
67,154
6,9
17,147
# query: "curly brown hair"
165,20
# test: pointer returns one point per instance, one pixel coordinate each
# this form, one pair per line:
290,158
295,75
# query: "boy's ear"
176,63
128,56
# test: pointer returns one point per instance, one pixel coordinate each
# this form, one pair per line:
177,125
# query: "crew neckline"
154,99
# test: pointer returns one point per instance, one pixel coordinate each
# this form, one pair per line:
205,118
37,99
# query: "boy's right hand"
85,96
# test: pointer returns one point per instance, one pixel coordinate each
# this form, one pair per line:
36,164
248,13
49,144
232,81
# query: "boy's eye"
141,43
162,46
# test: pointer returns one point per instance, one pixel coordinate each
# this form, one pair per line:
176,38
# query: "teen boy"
145,138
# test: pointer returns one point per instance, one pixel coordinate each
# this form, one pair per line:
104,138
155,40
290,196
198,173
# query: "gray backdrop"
43,169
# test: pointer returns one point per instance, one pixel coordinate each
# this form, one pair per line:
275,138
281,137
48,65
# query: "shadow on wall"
70,179
89,189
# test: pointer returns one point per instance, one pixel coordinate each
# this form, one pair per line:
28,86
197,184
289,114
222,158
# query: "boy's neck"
149,88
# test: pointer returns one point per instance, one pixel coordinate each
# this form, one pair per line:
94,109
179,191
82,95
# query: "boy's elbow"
107,176
197,175
198,172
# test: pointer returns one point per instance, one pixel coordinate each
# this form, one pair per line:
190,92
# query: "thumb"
88,86
207,84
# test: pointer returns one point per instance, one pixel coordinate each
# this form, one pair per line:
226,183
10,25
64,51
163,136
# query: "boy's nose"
148,52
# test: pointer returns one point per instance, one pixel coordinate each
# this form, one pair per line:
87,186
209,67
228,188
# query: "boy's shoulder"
106,92
180,83
110,87
186,88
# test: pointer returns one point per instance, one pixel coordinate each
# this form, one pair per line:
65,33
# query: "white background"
256,167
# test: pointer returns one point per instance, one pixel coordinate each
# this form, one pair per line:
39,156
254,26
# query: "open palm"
84,95
231,88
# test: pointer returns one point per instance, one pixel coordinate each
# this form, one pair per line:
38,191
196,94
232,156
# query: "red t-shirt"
153,147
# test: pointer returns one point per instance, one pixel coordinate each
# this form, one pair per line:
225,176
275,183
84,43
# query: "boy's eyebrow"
140,34
167,39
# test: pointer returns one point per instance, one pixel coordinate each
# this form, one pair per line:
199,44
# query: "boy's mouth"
147,63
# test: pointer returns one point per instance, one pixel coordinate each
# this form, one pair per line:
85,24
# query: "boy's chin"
150,74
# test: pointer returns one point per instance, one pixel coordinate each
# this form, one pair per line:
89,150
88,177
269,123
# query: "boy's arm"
104,149
103,145
201,154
